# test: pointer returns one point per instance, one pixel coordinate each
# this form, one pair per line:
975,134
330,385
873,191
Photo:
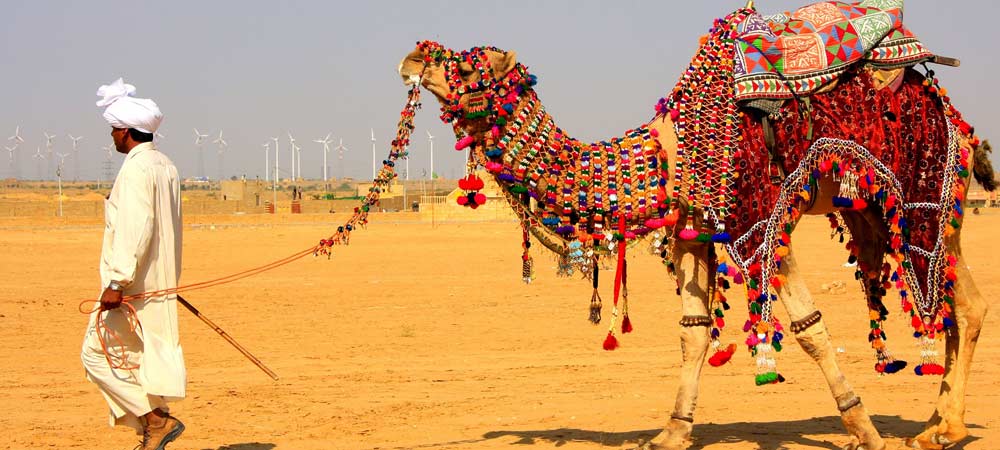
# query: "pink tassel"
464,142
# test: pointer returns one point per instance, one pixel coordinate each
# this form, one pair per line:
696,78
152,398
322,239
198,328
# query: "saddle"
798,53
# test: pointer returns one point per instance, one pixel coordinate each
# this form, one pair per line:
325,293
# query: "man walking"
138,367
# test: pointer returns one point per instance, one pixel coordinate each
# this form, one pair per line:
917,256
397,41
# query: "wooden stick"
228,338
945,61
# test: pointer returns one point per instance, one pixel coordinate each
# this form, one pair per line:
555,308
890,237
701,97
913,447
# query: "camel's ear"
504,63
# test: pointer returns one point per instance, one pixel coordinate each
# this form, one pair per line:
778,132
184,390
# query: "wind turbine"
267,160
198,139
430,139
39,156
374,171
48,152
76,156
222,144
291,145
17,136
10,162
326,149
59,168
274,186
107,164
298,158
340,156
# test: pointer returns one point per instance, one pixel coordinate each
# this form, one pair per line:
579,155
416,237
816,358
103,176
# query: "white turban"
124,111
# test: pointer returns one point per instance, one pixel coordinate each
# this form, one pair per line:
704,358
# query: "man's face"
120,136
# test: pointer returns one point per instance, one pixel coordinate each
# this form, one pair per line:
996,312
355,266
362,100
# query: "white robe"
141,250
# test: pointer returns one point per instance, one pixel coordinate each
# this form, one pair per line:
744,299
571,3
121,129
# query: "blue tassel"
723,268
948,323
895,366
721,238
842,202
567,229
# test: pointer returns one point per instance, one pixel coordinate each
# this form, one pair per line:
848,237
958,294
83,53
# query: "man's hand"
110,299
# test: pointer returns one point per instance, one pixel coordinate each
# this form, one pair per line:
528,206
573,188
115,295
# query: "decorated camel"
819,111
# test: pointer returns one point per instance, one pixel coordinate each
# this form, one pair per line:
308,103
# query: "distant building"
249,193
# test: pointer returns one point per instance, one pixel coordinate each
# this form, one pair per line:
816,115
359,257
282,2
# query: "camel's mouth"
410,80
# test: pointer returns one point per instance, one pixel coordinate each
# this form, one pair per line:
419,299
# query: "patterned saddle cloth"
799,52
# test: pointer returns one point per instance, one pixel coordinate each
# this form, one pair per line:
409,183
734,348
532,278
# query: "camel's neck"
579,188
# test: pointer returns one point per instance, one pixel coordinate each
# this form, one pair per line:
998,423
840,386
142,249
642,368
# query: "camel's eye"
465,70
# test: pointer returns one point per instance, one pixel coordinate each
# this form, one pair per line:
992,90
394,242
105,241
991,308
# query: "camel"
490,100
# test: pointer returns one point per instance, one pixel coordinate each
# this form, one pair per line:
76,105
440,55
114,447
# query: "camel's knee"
974,314
694,337
812,336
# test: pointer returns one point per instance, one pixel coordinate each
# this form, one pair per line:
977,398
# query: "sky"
256,69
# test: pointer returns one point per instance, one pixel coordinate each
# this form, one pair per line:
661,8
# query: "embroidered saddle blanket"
799,52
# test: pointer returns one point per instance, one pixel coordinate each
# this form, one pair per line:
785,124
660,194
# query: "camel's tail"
983,169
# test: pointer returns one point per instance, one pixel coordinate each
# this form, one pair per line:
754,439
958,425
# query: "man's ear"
504,63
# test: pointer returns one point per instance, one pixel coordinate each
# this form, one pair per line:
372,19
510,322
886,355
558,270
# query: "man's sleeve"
134,225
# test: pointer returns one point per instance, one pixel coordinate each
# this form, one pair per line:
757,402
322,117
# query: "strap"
799,326
696,321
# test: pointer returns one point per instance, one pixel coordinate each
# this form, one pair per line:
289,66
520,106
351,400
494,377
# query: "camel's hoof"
932,445
644,445
649,445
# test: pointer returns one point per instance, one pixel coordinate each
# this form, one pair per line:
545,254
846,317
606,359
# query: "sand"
416,337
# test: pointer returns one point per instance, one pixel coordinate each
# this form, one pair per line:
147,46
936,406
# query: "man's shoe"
158,438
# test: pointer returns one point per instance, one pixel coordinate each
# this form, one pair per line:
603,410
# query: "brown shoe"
157,438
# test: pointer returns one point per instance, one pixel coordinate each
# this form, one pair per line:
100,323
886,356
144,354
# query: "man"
140,368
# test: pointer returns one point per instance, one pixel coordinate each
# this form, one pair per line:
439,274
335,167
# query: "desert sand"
421,337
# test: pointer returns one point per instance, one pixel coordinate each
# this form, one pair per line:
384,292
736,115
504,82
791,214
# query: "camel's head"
473,86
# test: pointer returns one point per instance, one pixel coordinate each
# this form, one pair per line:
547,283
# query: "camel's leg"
812,335
694,266
947,425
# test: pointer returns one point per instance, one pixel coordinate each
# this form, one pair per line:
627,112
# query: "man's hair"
139,136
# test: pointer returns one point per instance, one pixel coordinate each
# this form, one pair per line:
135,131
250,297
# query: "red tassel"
626,325
610,342
929,369
722,356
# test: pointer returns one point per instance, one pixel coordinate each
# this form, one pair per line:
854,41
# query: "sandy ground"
416,337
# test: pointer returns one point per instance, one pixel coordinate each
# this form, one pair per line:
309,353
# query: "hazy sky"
257,69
